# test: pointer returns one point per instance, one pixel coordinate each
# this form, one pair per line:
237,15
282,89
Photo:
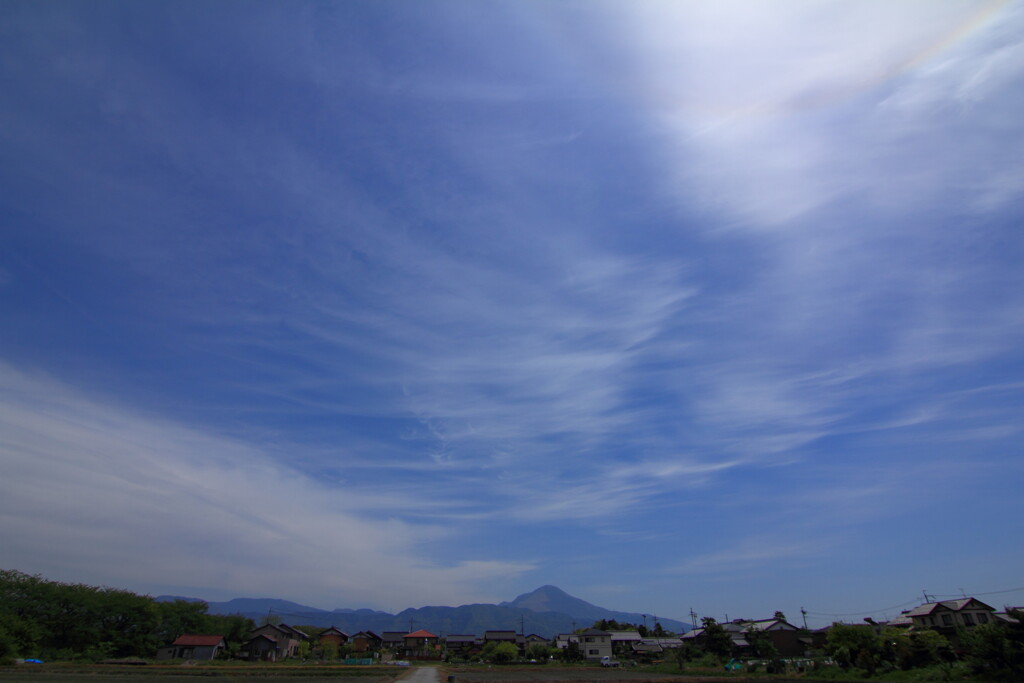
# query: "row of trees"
993,650
53,620
611,625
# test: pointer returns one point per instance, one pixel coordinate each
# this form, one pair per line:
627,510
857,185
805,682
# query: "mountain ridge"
546,611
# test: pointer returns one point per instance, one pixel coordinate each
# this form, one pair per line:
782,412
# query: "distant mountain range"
546,611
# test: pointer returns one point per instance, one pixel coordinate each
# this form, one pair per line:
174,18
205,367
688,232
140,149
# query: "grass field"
75,673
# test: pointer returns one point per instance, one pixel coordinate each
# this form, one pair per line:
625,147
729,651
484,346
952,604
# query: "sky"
385,304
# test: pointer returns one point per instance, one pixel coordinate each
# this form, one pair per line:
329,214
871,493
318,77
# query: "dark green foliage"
572,653
854,645
500,653
761,645
538,651
75,621
715,640
660,632
996,650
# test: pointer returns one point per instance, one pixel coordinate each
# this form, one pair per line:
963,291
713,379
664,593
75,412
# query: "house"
260,648
947,615
294,633
393,640
562,640
463,645
366,641
623,641
421,644
595,644
286,642
333,635
534,639
786,638
189,646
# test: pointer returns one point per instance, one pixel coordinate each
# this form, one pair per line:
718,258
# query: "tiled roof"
926,609
954,605
625,636
334,630
421,634
193,640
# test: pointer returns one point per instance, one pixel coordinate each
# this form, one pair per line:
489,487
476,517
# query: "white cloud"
97,492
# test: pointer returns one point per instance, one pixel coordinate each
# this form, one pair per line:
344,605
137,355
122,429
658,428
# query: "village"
931,631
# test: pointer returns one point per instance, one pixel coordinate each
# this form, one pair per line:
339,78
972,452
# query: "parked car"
609,661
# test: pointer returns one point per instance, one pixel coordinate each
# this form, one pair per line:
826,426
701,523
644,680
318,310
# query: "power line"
910,602
1008,590
870,611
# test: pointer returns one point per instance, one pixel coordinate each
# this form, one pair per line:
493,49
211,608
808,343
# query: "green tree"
571,652
684,654
761,644
854,645
714,639
538,651
499,653
996,650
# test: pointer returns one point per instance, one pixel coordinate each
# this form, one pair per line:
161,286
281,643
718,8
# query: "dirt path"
421,674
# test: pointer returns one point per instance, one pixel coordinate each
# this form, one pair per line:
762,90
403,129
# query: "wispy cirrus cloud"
91,483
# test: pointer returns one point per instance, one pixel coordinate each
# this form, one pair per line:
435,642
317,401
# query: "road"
421,674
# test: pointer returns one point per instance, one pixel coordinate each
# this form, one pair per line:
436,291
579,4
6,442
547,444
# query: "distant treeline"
52,620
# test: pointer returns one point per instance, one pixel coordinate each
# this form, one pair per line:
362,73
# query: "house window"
968,620
947,620
595,652
982,618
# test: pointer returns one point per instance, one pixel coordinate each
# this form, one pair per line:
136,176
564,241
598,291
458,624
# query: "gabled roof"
595,632
926,609
769,625
420,634
190,640
280,630
964,603
333,631
368,634
948,605
625,636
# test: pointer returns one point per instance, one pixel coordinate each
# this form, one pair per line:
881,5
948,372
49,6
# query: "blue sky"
388,304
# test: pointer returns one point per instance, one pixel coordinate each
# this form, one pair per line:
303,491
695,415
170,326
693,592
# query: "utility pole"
645,621
804,613
693,618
